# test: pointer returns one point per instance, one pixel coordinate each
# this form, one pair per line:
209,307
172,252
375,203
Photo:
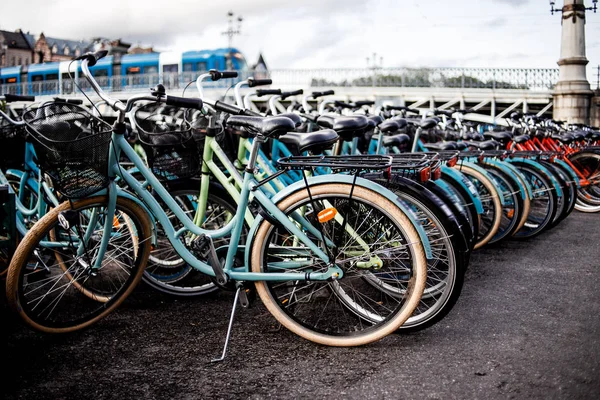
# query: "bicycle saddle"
502,136
389,126
294,117
267,126
396,140
441,146
314,142
521,138
346,127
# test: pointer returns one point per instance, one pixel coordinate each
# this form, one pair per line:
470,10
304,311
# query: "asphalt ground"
527,325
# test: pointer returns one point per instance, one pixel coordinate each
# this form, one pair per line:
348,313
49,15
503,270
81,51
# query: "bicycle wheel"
166,270
568,197
588,164
543,203
378,244
489,221
450,253
512,208
50,283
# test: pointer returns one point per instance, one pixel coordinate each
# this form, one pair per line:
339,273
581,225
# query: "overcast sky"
321,33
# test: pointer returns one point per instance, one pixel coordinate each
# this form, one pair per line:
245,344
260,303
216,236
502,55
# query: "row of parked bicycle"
350,221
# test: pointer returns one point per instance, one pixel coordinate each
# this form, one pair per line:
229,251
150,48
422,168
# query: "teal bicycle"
318,254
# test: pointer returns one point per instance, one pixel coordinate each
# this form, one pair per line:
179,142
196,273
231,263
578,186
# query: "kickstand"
235,301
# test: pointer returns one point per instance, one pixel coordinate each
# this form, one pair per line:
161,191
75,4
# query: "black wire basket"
71,146
166,136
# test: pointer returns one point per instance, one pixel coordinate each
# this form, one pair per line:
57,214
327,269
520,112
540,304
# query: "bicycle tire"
351,336
21,276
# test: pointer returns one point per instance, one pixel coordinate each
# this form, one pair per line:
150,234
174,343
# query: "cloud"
517,3
317,33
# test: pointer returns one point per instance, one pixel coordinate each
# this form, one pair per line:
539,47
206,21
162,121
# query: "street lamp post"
231,32
572,94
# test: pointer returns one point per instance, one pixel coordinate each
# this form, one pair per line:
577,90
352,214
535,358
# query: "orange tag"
116,223
327,215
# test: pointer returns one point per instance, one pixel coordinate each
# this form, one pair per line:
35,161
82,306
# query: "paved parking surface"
527,325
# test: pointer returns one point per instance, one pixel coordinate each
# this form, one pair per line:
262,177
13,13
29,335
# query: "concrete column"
572,93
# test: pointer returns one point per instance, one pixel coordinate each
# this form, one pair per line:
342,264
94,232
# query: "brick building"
47,49
15,49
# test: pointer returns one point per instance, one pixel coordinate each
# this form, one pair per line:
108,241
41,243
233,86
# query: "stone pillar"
595,111
572,93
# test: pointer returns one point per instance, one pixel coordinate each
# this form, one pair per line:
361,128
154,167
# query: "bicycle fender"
485,173
509,171
543,170
463,181
570,171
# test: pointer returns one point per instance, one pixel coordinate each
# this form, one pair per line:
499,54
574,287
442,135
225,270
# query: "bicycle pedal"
247,297
243,298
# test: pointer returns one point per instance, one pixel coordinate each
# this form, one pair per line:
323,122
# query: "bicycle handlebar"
259,82
231,109
69,101
265,92
93,58
9,119
9,98
320,94
285,95
215,75
184,102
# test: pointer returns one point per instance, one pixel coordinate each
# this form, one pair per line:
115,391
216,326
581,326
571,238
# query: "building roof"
15,40
71,44
30,39
261,61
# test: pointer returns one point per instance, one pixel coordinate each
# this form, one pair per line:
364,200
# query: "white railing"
533,79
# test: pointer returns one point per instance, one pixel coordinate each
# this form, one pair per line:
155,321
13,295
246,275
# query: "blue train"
134,70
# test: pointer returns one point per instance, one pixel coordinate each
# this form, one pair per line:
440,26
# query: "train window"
151,70
1,81
37,78
201,66
171,68
100,72
133,70
52,77
188,67
65,76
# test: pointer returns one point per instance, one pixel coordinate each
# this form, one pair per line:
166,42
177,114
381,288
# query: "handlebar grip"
259,82
216,75
342,104
264,92
93,58
14,97
396,108
320,94
228,108
361,103
184,102
69,101
285,95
